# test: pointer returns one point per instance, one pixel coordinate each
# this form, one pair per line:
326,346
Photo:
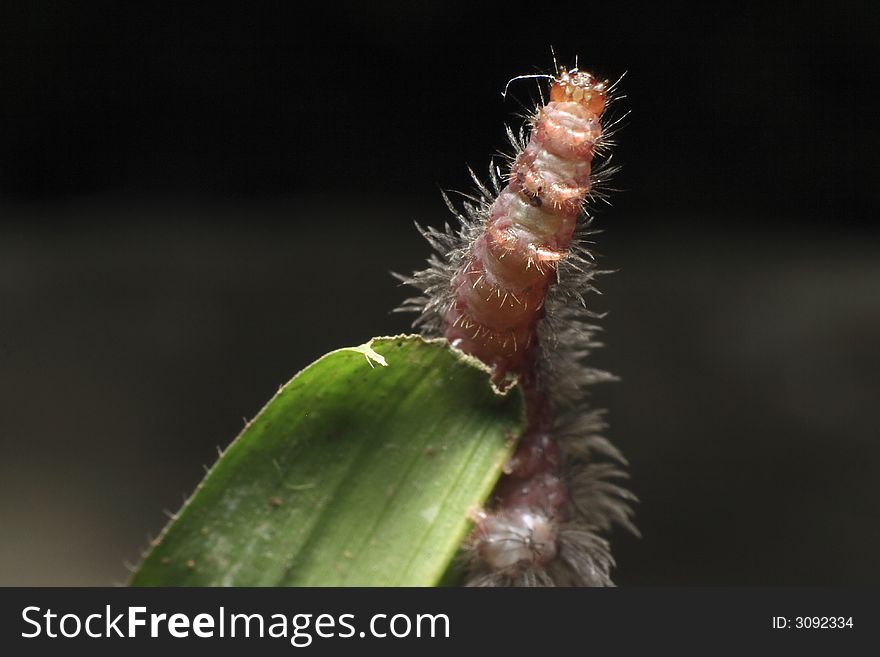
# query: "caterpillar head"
576,86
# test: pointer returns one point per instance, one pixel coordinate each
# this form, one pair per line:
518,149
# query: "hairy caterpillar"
507,287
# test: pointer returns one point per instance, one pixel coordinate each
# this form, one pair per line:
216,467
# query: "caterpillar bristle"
508,285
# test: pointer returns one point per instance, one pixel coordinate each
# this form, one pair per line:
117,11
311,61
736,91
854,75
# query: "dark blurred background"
198,199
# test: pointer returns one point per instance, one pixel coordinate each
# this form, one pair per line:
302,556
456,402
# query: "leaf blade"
355,473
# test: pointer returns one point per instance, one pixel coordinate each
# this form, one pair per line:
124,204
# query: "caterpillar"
507,286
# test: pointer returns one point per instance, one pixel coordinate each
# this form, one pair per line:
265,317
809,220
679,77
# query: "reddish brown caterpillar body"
500,290
508,289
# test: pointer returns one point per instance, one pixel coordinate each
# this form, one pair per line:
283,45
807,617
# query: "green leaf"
361,471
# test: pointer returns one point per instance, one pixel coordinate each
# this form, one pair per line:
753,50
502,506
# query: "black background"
197,199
